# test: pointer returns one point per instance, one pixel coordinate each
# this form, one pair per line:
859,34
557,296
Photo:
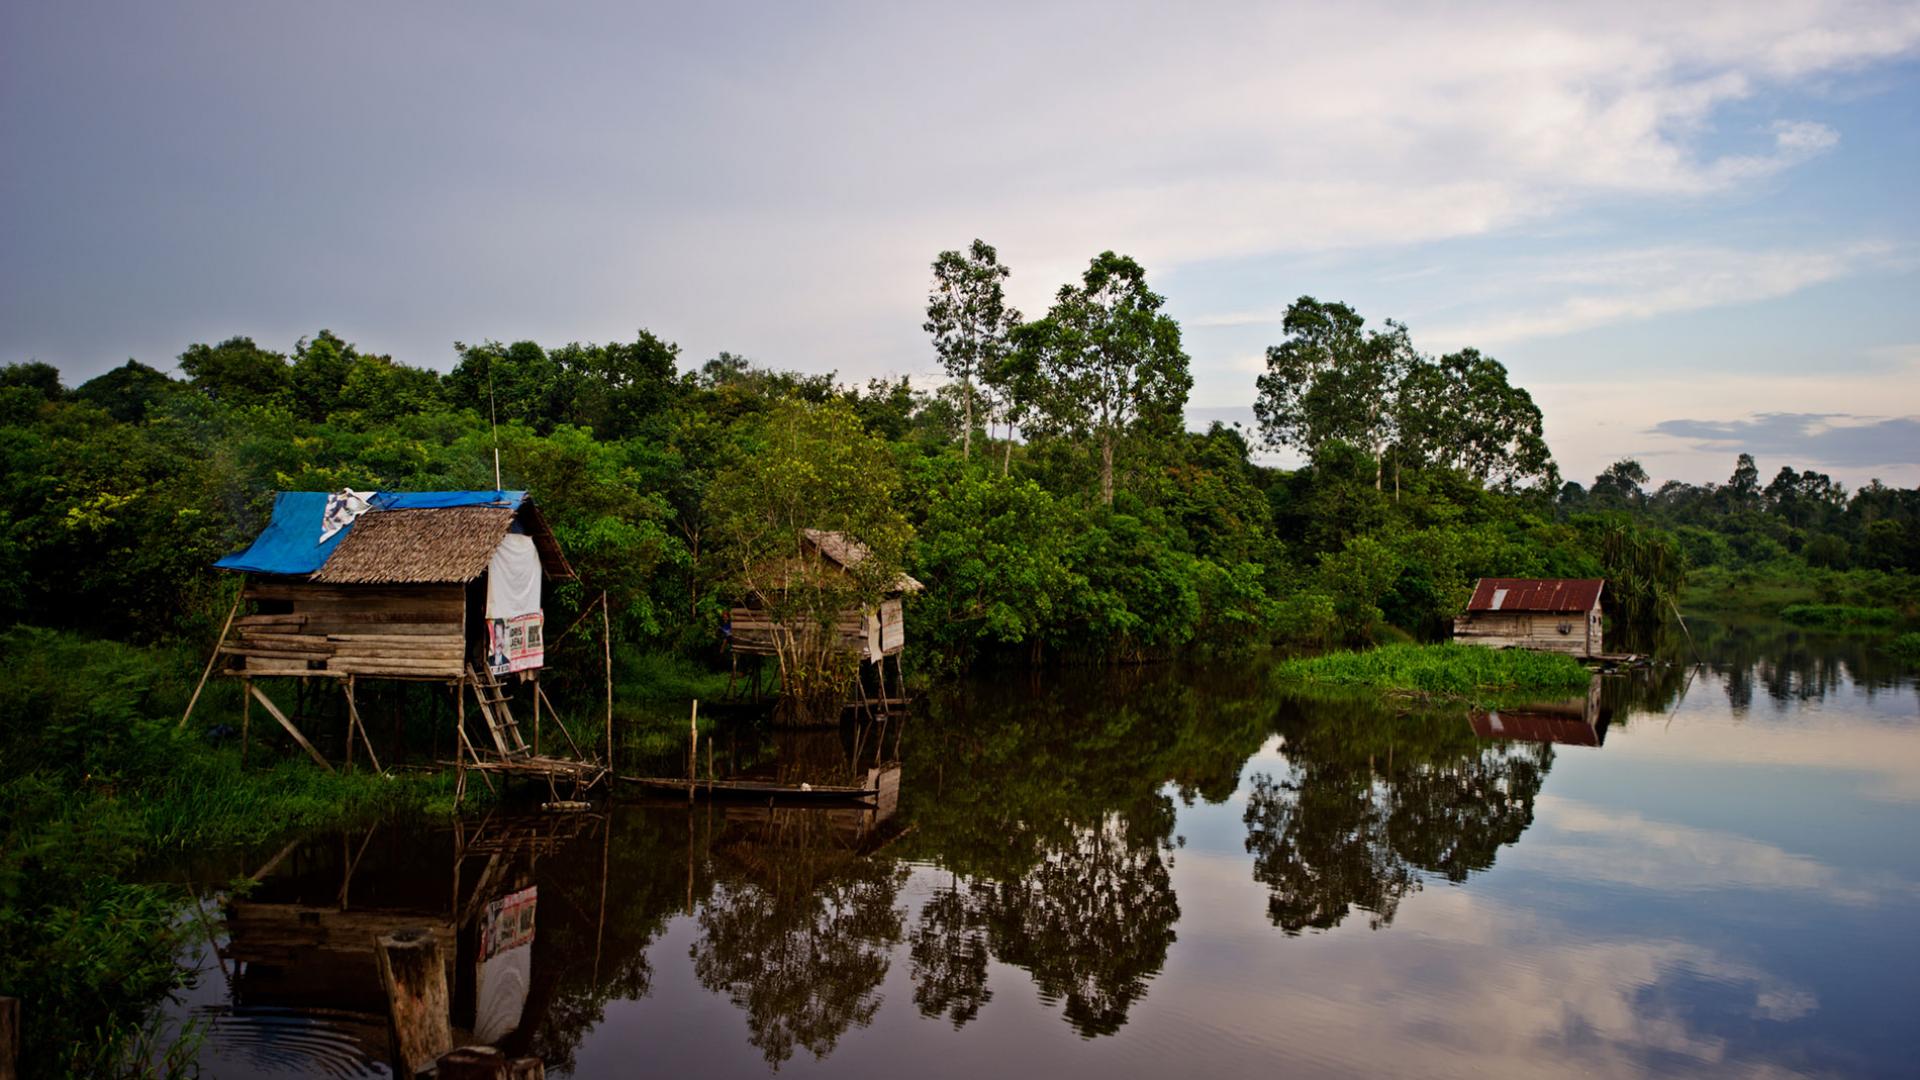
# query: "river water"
1711,869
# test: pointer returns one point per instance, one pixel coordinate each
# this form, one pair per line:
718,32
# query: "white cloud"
1574,292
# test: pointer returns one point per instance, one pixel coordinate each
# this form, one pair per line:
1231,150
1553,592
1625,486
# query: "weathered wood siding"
1532,630
399,631
754,629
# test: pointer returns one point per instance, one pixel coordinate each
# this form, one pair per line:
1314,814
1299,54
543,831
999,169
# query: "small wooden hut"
873,634
441,586
1548,614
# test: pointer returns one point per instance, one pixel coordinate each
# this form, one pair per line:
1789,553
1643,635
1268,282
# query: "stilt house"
442,586
873,634
1548,614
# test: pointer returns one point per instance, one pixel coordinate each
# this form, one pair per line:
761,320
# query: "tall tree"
971,323
1462,412
238,372
809,467
1104,361
1333,379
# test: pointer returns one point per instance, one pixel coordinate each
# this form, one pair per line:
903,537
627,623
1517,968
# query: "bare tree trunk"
966,437
1106,469
1006,460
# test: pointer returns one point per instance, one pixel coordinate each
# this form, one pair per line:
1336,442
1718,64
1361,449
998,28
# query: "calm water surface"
1708,870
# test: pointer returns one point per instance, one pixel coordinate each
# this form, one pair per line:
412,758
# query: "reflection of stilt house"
440,586
1578,721
301,943
1547,614
874,634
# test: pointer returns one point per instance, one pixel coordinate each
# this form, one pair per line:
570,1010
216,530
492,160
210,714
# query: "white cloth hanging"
342,507
513,578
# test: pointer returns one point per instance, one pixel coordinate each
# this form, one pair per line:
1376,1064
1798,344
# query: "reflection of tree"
596,924
1372,800
1092,922
805,963
1450,818
1319,843
949,951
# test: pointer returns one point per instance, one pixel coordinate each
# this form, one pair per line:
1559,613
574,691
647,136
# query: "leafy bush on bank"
1467,672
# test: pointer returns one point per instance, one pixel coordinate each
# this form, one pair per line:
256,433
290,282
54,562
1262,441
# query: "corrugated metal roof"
1528,726
1536,594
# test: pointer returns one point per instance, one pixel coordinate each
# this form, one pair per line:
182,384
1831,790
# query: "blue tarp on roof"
290,544
437,500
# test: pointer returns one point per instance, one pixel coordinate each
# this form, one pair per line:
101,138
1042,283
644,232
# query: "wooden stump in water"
415,977
9,1038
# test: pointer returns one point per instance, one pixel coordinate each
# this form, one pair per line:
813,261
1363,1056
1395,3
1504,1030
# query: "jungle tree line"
1090,525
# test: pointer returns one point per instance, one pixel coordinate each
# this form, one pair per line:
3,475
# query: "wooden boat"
756,790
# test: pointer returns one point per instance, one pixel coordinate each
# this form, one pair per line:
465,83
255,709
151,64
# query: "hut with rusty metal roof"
441,586
1548,614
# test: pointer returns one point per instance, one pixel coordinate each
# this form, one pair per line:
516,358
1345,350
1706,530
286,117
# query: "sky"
1690,230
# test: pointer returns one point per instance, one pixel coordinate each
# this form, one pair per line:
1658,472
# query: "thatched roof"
844,550
429,546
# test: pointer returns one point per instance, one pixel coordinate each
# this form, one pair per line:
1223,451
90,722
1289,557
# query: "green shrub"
1839,616
1446,670
1905,647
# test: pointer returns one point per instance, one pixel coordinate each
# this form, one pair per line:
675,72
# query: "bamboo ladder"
501,725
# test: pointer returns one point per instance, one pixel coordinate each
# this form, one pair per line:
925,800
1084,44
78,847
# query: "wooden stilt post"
414,974
346,686
536,716
274,711
459,739
211,660
246,717
354,720
693,748
606,643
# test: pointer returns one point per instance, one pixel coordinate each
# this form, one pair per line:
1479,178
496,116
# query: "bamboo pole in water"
606,645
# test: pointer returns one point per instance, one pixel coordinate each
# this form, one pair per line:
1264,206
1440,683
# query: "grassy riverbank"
97,788
1449,671
1785,585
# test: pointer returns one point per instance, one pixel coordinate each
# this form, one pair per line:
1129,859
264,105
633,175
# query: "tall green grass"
1840,616
95,782
1467,672
1904,647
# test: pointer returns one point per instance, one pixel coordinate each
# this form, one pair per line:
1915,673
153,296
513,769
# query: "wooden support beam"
211,660
288,724
414,975
606,643
354,721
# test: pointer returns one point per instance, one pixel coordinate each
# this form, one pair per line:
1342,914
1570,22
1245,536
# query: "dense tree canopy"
1108,532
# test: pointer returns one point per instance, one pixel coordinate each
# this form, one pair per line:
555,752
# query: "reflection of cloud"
1623,848
1463,986
1812,438
1882,763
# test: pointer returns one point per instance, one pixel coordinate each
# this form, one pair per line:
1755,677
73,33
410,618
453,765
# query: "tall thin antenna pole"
493,419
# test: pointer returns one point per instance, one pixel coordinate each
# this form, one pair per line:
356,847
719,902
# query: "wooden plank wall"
1526,630
753,631
413,631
